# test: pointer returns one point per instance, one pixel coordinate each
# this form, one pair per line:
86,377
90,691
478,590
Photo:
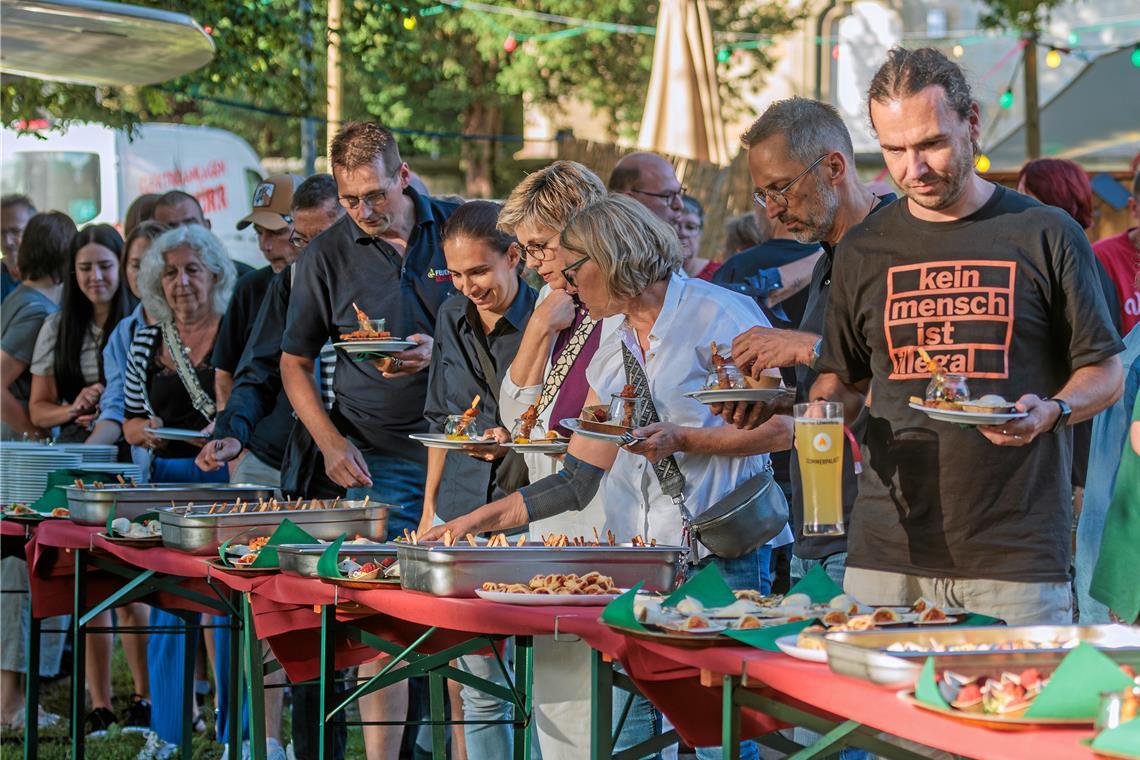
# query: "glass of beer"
819,450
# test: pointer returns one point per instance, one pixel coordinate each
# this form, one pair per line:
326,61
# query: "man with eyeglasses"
273,223
802,164
652,182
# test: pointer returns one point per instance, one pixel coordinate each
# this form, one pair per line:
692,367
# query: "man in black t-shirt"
994,286
803,166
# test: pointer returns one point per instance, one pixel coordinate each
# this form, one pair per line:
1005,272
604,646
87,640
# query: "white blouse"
694,314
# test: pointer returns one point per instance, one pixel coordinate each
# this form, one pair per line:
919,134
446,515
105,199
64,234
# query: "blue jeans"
752,571
835,565
394,481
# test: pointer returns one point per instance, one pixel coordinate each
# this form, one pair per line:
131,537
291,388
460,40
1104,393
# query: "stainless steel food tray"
863,655
92,506
198,532
459,570
301,559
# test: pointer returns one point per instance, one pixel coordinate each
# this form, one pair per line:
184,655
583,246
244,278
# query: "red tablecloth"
286,614
813,687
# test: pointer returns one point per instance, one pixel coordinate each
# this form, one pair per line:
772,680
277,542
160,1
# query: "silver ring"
397,362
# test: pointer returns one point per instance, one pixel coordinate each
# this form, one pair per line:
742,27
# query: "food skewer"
468,416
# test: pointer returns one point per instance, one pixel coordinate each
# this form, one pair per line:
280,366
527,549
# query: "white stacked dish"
24,467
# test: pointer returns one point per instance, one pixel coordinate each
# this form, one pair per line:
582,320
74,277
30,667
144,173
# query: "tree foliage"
451,73
1026,16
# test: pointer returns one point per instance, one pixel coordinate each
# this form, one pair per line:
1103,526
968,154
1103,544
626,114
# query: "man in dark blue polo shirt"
384,256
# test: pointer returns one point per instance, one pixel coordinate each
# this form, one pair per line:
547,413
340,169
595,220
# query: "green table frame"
737,693
408,662
138,584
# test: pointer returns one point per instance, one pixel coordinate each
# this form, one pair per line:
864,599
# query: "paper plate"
572,424
382,346
217,564
547,600
178,434
966,418
787,645
540,446
374,584
686,640
441,441
992,721
720,396
134,542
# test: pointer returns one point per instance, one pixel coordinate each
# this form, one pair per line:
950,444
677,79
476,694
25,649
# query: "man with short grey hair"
651,181
803,166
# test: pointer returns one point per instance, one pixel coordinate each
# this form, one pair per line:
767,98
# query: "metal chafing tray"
864,654
92,506
198,532
459,570
301,559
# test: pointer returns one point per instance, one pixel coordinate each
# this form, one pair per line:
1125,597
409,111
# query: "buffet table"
712,695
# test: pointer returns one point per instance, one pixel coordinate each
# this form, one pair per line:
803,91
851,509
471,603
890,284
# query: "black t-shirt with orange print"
1007,296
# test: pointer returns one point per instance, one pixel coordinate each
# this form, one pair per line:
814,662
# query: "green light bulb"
1136,56
723,54
1006,99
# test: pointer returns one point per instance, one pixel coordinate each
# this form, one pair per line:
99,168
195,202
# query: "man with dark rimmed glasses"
651,181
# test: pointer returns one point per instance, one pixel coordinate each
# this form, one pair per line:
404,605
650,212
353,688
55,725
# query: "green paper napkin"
765,638
55,497
1074,688
926,689
817,584
974,618
707,587
1124,739
620,612
327,564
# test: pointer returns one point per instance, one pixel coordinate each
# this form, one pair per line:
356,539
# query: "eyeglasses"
372,199
538,251
763,196
566,270
668,197
298,241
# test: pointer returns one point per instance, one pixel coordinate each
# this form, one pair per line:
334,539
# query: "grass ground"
118,745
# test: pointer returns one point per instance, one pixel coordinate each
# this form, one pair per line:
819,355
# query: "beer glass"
819,450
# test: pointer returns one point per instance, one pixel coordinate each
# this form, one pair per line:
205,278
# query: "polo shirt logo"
439,275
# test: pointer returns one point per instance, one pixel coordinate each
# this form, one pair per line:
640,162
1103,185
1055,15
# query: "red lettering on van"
213,199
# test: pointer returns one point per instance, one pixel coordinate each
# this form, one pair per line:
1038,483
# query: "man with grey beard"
803,166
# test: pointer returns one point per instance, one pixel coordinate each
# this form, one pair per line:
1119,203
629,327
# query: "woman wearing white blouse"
627,266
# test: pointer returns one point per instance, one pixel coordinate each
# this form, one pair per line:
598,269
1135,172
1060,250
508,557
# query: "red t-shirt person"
1121,258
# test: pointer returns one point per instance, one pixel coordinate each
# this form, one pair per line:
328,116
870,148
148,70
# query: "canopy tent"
99,43
1094,119
682,108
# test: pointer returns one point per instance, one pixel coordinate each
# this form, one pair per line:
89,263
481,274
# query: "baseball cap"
272,203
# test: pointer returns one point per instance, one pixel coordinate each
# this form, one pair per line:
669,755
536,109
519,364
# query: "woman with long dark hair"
67,366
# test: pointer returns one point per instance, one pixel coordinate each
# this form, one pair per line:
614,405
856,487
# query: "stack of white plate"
24,467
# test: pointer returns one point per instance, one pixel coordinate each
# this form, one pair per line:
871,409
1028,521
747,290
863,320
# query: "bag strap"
178,353
484,355
565,362
668,472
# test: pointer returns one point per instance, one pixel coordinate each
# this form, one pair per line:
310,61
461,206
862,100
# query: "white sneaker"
274,750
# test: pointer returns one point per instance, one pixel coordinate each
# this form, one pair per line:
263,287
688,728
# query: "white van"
92,173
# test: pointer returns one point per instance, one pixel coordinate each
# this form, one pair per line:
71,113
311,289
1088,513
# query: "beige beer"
819,449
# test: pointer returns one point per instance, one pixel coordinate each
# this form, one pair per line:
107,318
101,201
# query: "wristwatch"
816,348
1066,412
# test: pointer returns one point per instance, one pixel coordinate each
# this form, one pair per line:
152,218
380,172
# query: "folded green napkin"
707,587
1122,740
817,584
55,497
327,564
1074,688
620,612
974,618
926,689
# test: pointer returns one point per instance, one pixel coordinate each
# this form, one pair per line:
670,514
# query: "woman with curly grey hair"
185,281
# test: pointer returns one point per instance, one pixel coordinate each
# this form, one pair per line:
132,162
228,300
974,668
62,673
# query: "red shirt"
1122,261
709,270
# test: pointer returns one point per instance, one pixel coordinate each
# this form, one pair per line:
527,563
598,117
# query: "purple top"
572,395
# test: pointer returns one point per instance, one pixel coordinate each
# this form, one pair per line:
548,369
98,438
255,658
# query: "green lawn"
116,745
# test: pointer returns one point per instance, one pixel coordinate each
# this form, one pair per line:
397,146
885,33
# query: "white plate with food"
377,346
548,600
441,441
540,446
574,425
178,434
966,418
723,395
788,646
